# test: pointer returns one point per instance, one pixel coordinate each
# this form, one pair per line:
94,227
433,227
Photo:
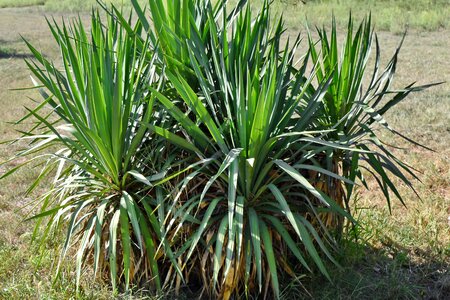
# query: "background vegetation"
390,15
400,256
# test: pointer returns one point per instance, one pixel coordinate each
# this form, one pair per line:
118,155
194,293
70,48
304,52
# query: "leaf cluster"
190,146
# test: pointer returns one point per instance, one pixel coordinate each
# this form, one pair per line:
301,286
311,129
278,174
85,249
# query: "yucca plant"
354,104
91,132
249,130
175,22
192,149
267,138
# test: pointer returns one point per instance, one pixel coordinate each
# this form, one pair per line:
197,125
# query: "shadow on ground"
11,53
388,271
7,50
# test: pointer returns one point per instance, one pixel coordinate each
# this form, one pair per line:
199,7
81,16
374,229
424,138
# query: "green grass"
20,3
6,51
389,15
60,5
78,5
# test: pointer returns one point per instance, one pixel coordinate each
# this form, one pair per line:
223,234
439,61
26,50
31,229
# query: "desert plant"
252,124
175,22
354,111
196,148
246,82
91,132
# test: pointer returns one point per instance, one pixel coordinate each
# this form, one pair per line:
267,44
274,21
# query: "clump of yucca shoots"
192,151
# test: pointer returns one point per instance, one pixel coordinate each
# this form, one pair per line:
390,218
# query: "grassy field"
400,256
389,15
20,3
59,5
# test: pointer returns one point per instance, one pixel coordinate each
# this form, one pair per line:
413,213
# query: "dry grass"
390,15
405,255
20,3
